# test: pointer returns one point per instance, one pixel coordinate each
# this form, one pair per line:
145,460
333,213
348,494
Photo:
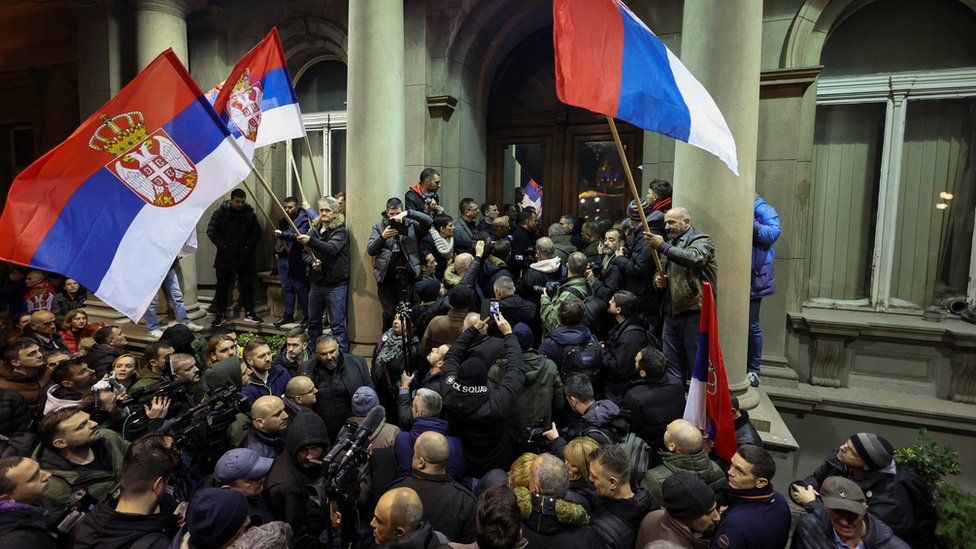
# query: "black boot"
287,318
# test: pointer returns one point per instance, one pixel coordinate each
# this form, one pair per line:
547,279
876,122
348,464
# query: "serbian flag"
113,204
708,397
532,195
257,101
609,62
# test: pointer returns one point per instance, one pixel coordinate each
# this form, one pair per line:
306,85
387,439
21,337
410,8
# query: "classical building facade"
856,119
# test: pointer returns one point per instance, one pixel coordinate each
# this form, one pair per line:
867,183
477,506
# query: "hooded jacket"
288,487
697,464
331,247
653,403
235,233
574,286
765,232
550,522
542,393
66,478
564,246
481,418
404,441
417,223
623,342
106,528
618,519
27,526
691,260
602,421
538,274
814,531
27,387
558,339
758,518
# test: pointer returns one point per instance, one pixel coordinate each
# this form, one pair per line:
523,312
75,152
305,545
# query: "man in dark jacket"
422,197
337,375
745,432
757,516
636,264
294,352
867,460
600,420
267,378
449,506
235,232
327,255
23,520
397,522
624,340
603,273
394,243
548,267
543,525
542,394
690,261
292,269
654,400
136,520
43,330
842,519
622,509
289,490
269,421
512,306
110,343
523,242
570,332
765,231
425,408
477,413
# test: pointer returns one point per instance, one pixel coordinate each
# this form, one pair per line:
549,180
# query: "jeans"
225,280
333,300
171,285
292,287
755,337
681,343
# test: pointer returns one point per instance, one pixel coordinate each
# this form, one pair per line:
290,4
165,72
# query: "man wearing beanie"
364,400
757,517
866,459
690,257
477,413
215,518
542,394
842,519
688,517
444,329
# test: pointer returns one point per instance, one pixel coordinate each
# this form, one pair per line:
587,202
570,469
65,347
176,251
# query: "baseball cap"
241,463
843,494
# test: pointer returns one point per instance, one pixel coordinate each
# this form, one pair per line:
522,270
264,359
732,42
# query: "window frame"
896,91
325,122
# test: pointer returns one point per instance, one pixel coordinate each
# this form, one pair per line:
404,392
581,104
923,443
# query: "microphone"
374,419
353,450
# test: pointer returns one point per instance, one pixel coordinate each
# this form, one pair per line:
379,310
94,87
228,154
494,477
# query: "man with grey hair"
514,308
548,267
449,506
426,408
327,255
548,483
562,241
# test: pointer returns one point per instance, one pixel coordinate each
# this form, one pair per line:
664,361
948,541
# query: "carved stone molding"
962,385
441,106
827,361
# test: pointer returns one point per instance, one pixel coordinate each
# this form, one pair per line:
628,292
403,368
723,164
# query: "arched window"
321,89
894,164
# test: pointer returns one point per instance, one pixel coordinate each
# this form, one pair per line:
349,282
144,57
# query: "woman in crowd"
74,328
71,297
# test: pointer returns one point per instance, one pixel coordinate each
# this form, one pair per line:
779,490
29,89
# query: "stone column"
375,154
721,46
99,55
161,24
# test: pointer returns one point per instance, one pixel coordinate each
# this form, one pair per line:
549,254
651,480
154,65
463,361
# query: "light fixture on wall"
941,206
946,196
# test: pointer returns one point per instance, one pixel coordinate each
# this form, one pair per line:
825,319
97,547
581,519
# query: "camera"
535,441
203,427
550,287
82,503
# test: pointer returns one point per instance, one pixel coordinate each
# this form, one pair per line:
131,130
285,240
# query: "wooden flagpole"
311,162
633,186
258,204
267,188
298,177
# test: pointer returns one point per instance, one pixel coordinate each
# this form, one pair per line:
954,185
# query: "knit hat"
843,494
428,289
874,450
459,298
634,214
469,386
214,516
524,335
687,497
364,400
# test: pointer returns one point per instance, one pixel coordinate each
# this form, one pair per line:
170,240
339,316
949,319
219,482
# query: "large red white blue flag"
708,397
257,101
113,204
608,61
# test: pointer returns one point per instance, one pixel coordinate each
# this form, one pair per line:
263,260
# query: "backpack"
596,310
923,507
584,359
637,450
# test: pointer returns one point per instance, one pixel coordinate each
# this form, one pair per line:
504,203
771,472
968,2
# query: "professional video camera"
202,429
550,287
148,393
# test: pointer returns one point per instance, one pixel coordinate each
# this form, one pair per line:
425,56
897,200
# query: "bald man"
398,519
43,330
684,451
449,506
269,420
690,261
300,395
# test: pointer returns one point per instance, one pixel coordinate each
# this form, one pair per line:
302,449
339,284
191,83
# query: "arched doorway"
569,152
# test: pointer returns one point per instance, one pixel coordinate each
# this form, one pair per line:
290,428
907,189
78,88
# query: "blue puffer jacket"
765,231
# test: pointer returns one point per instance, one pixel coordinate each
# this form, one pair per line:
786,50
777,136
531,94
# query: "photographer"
23,521
548,268
477,413
155,364
574,284
422,197
394,243
602,272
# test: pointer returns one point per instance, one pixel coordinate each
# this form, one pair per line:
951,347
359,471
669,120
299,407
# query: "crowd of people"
528,390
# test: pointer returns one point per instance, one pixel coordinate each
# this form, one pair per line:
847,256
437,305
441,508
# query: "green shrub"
928,459
275,341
